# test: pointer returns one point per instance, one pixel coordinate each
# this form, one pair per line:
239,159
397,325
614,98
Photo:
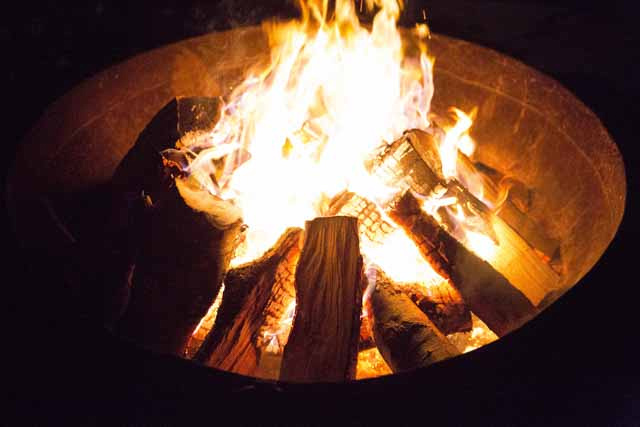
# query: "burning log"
512,209
249,294
414,159
486,292
405,336
443,304
323,343
184,253
513,200
371,223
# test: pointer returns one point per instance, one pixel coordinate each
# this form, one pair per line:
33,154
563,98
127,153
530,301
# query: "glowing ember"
479,335
410,267
371,364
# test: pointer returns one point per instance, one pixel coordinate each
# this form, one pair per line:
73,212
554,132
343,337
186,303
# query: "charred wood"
516,259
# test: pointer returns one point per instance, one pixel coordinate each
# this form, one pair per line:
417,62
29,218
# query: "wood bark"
249,293
442,304
183,255
404,335
485,291
329,282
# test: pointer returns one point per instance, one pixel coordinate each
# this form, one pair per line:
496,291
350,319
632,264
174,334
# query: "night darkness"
575,364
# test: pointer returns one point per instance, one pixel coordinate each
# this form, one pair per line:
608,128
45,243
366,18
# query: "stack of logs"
180,271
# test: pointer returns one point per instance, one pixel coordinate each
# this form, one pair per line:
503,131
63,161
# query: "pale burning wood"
513,206
517,234
510,209
329,282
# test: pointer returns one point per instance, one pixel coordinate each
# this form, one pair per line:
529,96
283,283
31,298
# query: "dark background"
575,364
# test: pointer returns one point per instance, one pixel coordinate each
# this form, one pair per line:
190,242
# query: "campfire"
329,225
342,229
319,200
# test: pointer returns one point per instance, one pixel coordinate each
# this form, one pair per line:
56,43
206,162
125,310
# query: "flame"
456,138
479,335
399,258
300,130
277,338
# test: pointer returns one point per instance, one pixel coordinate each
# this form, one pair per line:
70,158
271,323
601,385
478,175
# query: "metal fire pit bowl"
528,126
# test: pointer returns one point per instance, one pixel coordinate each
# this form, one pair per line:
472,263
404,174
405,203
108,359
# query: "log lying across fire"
487,293
418,152
329,284
414,161
405,336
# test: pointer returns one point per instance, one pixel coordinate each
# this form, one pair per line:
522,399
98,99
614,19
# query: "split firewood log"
184,252
485,291
413,162
250,295
329,282
406,338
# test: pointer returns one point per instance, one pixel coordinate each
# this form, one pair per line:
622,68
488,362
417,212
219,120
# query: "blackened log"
184,253
404,335
232,344
175,280
142,168
485,291
329,281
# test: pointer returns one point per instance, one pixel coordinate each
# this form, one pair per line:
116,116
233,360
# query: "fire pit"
544,191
